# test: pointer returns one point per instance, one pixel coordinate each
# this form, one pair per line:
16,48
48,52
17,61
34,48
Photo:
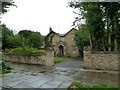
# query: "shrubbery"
26,51
5,67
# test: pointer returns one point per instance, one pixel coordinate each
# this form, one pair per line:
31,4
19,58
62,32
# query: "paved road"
34,76
61,76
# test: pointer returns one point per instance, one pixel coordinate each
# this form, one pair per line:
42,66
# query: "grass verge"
57,60
79,86
5,71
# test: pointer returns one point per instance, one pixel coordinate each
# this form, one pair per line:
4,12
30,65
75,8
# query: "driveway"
71,63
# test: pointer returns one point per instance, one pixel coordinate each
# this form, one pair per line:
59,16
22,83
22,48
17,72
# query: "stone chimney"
50,30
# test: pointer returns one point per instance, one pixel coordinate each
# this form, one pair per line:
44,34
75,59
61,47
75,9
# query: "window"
74,49
73,36
62,39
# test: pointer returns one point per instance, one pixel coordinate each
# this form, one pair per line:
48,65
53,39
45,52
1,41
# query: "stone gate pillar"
49,57
87,57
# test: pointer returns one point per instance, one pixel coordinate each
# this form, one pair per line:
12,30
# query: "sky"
39,15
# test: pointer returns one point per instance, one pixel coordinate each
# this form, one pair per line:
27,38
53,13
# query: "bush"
4,66
5,71
15,51
26,51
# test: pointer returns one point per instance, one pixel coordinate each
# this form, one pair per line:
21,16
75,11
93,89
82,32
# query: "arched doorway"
61,50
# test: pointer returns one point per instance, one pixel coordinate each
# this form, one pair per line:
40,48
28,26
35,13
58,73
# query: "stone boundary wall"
101,60
44,59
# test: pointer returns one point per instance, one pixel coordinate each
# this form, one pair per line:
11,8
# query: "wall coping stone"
104,52
25,55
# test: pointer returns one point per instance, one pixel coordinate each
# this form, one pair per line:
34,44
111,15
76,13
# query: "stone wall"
101,60
44,59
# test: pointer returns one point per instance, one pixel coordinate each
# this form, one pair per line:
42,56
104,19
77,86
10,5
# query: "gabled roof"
70,31
52,32
61,35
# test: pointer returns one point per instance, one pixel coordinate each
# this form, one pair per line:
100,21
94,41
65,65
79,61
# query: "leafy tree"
82,38
25,33
6,33
15,41
102,21
31,39
35,40
5,4
23,38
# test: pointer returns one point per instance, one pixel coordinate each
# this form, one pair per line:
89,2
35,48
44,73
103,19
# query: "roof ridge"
63,35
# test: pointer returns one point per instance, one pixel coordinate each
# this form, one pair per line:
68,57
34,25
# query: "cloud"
39,15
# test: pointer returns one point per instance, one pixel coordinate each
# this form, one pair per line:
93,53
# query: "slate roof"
62,35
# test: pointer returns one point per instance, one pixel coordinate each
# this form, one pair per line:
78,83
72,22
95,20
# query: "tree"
15,41
35,40
25,33
6,33
4,5
31,39
82,38
24,38
102,21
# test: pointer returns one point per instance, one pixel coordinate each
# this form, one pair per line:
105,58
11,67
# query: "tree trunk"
115,40
91,44
103,46
109,41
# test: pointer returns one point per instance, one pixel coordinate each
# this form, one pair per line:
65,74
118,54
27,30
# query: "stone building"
64,44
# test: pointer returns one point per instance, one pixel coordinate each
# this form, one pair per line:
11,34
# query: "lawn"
79,86
58,59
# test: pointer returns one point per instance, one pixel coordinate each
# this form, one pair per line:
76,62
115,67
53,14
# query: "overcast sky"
39,15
